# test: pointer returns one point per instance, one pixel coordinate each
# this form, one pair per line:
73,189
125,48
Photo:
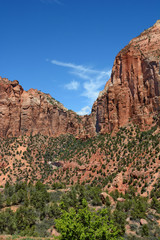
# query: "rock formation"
31,112
133,92
131,95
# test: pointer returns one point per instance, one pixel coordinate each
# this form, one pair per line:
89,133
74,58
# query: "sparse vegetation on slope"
130,158
123,168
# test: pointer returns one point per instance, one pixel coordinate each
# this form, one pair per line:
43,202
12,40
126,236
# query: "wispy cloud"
84,110
93,81
73,85
79,68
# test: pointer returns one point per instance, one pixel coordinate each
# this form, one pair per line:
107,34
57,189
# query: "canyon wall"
131,95
133,92
31,112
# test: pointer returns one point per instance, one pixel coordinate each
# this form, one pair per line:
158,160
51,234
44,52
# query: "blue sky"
67,47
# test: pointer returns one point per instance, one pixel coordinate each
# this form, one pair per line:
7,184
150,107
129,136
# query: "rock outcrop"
131,95
133,92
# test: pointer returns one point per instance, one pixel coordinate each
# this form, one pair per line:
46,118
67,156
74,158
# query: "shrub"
85,224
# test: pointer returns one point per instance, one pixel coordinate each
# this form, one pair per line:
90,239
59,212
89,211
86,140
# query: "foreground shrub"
86,225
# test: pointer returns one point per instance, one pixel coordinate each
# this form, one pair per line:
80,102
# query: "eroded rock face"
131,95
133,92
31,112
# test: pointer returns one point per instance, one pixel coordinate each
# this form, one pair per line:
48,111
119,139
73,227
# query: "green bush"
86,225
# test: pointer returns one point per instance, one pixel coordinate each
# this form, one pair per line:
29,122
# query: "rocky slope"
131,95
129,158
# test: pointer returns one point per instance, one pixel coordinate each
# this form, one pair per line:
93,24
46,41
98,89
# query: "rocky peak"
132,93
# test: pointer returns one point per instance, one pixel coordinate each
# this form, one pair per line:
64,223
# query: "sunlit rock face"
31,112
133,92
132,95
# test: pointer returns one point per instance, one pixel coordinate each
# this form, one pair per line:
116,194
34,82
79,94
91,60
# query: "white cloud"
80,68
93,81
73,85
84,110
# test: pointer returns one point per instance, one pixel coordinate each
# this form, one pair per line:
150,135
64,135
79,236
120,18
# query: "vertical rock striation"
133,92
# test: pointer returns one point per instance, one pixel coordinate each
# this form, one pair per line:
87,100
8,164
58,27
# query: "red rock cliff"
133,92
131,95
25,112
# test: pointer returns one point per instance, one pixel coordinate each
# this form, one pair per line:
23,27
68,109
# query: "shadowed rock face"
131,95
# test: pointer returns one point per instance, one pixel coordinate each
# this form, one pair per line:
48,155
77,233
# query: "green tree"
145,230
53,210
86,225
21,194
120,220
155,204
139,208
25,218
7,222
108,202
1,201
39,196
14,199
8,190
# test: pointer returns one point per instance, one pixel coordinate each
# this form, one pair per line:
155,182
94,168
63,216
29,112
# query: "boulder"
143,221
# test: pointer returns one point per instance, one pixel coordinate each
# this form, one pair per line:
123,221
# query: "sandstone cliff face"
31,112
131,95
133,92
